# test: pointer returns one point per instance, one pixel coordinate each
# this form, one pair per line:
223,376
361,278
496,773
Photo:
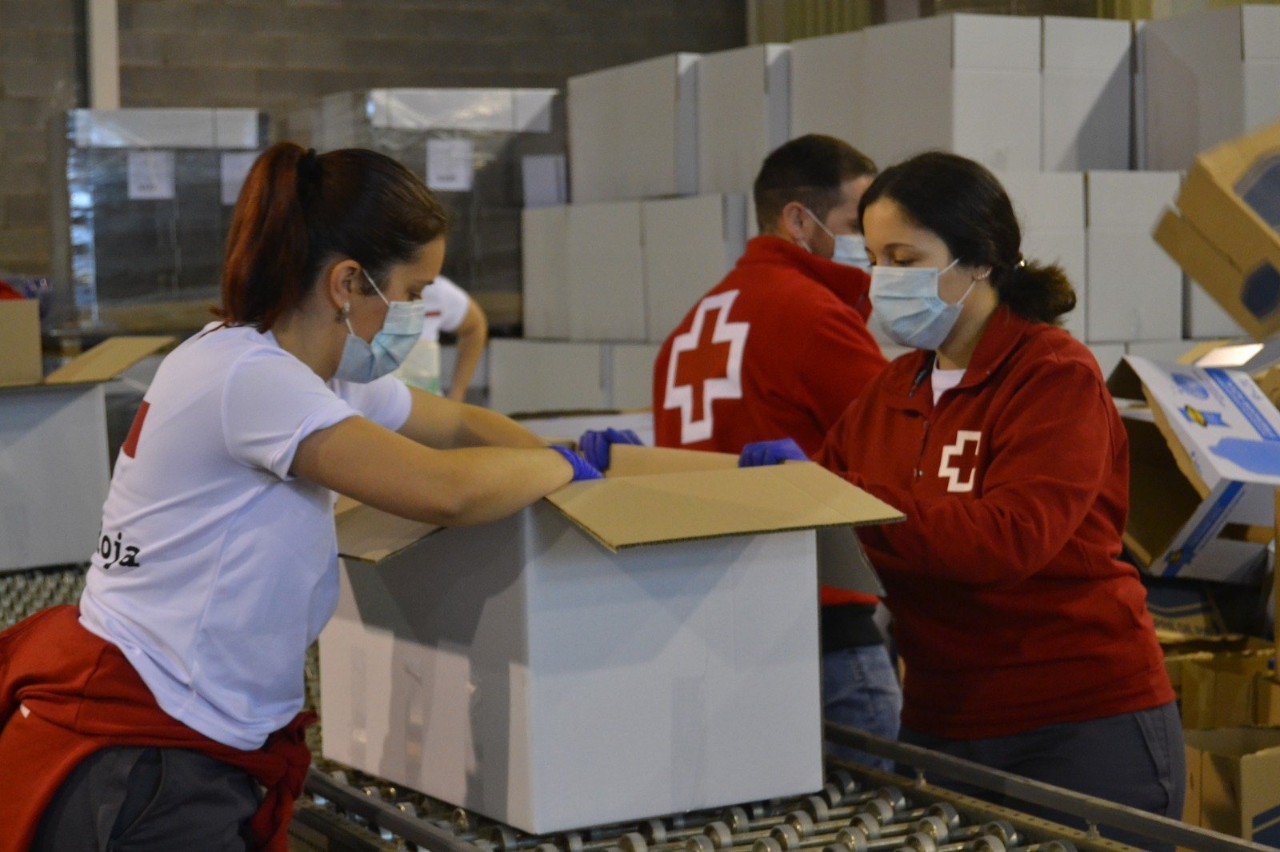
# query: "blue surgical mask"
363,362
906,305
850,249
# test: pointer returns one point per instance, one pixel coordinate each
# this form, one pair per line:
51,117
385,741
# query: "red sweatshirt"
1011,607
777,349
65,693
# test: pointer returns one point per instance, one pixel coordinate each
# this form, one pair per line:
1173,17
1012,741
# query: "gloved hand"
582,469
595,444
771,452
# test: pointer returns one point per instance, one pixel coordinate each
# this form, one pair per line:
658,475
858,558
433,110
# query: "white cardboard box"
545,375
547,672
604,268
544,285
1205,453
827,86
633,130
54,464
1133,289
1209,76
1050,209
972,83
631,374
1087,85
743,114
689,245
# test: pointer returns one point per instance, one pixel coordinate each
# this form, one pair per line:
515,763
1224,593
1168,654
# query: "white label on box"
151,176
235,168
449,164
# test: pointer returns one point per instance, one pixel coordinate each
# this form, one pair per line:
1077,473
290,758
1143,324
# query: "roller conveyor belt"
857,809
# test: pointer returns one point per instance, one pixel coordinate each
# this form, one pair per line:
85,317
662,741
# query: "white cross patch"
719,347
964,438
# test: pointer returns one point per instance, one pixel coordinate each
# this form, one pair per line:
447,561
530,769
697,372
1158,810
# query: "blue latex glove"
595,444
771,452
582,469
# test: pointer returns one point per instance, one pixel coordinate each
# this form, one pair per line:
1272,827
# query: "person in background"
1026,640
779,348
149,716
448,308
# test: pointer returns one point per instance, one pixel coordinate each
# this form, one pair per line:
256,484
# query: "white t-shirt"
445,304
215,569
944,380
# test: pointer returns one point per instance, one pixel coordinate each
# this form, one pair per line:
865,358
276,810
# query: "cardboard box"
743,114
1233,782
633,130
641,645
973,83
827,86
1050,208
544,272
1230,690
1134,291
1223,232
604,266
1209,76
631,374
20,339
546,375
1204,461
689,245
1087,85
54,464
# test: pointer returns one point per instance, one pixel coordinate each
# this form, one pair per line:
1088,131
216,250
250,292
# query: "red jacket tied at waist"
65,693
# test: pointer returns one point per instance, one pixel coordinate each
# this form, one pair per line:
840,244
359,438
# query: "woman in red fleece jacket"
1026,639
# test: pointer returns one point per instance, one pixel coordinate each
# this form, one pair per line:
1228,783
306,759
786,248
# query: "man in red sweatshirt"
779,348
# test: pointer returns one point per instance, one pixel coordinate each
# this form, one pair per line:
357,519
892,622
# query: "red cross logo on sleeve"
706,365
965,451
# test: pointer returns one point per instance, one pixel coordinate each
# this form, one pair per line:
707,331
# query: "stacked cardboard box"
142,203
54,467
482,151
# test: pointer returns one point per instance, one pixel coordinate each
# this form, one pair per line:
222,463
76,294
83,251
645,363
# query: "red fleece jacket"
65,693
1011,607
777,349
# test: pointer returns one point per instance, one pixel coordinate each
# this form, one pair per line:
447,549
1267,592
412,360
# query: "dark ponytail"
299,211
964,204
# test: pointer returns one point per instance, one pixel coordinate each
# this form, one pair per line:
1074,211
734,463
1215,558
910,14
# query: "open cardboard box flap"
655,495
21,367
108,359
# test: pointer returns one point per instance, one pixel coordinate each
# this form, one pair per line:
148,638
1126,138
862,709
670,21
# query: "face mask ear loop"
372,284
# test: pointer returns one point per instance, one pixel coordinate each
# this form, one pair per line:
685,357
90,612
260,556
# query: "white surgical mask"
906,304
363,362
850,249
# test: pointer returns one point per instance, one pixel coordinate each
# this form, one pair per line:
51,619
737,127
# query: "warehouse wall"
279,55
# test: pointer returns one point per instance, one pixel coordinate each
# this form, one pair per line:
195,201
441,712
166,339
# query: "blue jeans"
1135,759
860,690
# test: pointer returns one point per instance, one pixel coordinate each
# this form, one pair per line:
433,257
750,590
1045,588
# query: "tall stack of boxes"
484,152
142,201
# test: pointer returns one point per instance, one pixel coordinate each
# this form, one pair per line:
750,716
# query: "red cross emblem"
706,365
964,450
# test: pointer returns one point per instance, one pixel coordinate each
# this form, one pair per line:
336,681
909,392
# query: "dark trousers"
150,800
1135,759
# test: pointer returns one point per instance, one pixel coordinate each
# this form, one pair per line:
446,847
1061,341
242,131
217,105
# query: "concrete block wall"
41,76
280,57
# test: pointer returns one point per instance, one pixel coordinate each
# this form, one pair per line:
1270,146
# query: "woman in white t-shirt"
180,684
